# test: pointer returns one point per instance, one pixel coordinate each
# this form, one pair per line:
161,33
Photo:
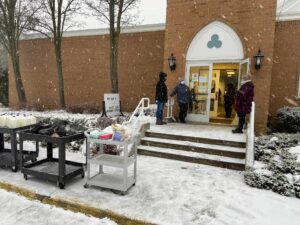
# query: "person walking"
244,100
161,97
184,98
229,99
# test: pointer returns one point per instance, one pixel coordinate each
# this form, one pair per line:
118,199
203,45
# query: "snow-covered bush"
289,119
152,110
80,124
258,180
84,109
276,166
104,122
297,189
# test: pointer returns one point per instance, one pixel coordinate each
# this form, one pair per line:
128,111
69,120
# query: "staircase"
208,149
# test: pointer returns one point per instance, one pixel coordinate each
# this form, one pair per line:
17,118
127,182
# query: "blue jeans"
160,110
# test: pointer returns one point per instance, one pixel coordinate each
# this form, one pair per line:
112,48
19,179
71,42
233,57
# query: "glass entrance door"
244,70
199,80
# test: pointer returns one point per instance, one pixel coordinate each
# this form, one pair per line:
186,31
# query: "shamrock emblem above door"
214,42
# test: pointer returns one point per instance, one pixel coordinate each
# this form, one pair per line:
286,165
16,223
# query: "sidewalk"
16,210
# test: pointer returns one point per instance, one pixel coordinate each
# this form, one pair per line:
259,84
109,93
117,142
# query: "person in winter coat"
229,99
184,98
161,97
244,100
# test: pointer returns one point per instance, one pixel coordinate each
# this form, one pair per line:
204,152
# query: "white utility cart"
124,161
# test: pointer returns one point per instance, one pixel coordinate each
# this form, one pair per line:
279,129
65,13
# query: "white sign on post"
112,104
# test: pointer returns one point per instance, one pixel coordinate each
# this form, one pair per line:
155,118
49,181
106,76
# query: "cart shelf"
11,157
111,181
58,170
111,160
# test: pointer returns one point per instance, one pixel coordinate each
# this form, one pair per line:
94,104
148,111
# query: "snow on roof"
103,31
288,10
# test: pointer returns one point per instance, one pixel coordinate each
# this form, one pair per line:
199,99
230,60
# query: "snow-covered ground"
176,193
179,193
16,210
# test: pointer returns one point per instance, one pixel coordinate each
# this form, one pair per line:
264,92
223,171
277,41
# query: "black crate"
57,170
11,157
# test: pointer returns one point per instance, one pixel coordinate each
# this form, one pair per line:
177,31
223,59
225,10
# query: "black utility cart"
57,170
11,157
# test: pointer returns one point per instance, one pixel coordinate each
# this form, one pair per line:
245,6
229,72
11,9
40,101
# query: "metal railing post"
250,139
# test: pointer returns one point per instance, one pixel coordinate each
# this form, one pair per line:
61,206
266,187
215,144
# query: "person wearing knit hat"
161,97
184,97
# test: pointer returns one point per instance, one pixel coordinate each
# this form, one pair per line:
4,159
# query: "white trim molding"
216,41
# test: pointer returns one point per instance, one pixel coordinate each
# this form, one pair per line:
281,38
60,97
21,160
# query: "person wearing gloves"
184,98
244,100
161,97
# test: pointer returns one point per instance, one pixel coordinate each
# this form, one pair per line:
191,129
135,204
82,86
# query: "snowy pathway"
16,210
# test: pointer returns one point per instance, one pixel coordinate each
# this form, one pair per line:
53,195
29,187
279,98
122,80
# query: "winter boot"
159,122
237,131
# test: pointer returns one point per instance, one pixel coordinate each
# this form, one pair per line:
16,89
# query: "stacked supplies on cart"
15,120
115,132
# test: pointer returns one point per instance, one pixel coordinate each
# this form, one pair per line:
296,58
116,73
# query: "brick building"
214,42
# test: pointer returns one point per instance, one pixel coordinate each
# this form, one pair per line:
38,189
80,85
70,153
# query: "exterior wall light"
258,59
172,62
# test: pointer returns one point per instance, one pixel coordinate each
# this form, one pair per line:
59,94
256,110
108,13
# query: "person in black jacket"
161,97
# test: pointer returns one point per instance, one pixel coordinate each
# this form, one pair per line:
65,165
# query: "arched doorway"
214,59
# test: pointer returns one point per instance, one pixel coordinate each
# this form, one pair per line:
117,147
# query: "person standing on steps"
229,99
244,100
184,98
161,97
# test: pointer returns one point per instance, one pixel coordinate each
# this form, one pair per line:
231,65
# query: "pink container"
106,136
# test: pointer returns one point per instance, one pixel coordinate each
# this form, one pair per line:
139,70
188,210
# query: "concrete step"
203,140
234,152
193,157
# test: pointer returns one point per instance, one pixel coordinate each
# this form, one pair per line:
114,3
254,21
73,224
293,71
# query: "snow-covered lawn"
16,210
178,193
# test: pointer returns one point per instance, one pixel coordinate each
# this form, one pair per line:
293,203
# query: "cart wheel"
14,169
133,184
86,186
82,174
61,185
25,177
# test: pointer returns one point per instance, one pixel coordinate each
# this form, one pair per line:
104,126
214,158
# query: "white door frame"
240,72
210,63
199,117
215,96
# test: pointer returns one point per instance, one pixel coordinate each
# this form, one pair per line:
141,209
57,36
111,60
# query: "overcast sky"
151,12
154,11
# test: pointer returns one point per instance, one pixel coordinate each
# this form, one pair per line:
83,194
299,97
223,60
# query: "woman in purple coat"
244,100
